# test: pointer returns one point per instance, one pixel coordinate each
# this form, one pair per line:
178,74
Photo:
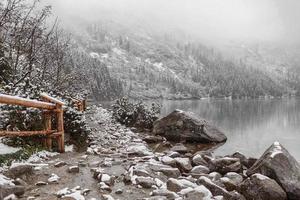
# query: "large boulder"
185,126
278,164
260,187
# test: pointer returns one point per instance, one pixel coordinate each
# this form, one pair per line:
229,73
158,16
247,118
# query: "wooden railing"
80,104
50,107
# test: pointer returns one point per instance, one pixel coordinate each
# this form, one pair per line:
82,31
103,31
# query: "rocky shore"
119,164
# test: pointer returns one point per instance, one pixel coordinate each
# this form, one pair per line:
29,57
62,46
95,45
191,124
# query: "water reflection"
250,125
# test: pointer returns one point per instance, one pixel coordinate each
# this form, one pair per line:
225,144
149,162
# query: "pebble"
73,169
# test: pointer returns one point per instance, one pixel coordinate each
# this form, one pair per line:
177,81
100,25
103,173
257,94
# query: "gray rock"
167,160
176,185
215,176
200,170
60,164
119,191
180,125
140,172
278,164
217,190
19,169
6,190
166,193
198,193
260,187
231,181
40,183
104,187
153,139
174,154
199,160
225,164
156,198
184,164
107,179
145,182
73,169
170,172
180,148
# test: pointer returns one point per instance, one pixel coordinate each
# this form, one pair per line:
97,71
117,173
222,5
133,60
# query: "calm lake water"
251,126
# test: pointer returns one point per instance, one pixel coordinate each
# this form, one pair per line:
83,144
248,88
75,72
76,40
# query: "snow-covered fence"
51,106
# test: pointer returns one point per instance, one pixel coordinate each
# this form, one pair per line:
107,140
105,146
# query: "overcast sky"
267,20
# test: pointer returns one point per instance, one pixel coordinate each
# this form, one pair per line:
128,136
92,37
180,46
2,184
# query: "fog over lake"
251,126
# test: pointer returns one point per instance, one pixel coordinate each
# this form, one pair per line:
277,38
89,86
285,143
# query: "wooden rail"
51,106
80,104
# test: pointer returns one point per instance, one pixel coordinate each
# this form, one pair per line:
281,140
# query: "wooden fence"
50,107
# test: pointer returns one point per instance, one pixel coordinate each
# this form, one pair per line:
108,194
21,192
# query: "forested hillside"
160,66
106,60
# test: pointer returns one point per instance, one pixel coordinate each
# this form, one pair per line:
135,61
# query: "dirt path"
110,151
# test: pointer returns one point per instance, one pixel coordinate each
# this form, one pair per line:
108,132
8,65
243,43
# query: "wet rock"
184,164
104,187
234,177
200,170
107,179
6,190
60,164
140,172
199,160
231,181
82,163
217,190
167,160
260,187
145,182
53,178
176,185
215,176
164,192
19,181
180,148
225,164
107,197
19,169
138,150
119,191
198,193
94,164
174,154
156,198
247,162
41,183
153,139
180,125
127,179
278,164
170,172
73,169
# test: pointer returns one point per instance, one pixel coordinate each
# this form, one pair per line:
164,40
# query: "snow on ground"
4,149
41,156
5,181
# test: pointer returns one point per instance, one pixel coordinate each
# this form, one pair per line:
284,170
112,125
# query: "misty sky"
267,20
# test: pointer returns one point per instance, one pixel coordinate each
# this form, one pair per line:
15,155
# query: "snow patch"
7,149
5,181
260,176
277,149
41,156
94,55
